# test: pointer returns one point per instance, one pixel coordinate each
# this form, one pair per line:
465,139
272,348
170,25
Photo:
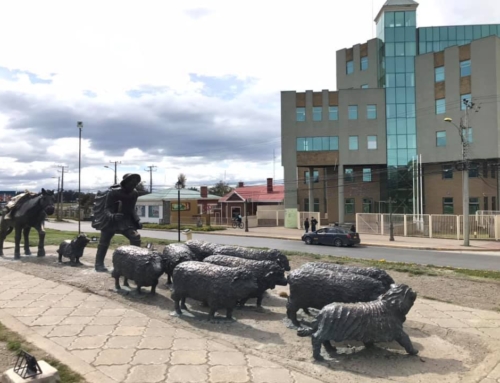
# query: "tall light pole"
79,125
58,192
463,130
178,186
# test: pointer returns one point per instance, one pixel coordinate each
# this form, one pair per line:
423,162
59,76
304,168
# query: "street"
476,260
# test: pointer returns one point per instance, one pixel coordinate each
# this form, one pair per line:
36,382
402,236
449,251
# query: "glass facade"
436,39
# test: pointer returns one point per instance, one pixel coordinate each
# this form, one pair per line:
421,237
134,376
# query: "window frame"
333,109
368,142
473,170
447,172
440,106
316,205
367,202
367,176
349,67
448,204
471,204
369,113
317,110
363,60
465,68
441,71
315,177
438,139
353,108
351,203
302,111
348,175
357,143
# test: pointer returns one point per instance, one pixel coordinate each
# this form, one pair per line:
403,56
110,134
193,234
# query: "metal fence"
429,225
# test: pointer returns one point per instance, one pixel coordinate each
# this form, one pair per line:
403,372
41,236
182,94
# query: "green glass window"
389,19
317,144
334,143
349,175
364,86
410,19
465,68
153,211
473,205
441,106
349,206
447,172
317,113
412,141
353,112
364,63
399,19
367,175
315,176
350,67
473,170
441,139
463,97
400,49
402,141
372,142
439,74
301,144
333,113
367,205
300,114
448,205
353,143
371,112
392,141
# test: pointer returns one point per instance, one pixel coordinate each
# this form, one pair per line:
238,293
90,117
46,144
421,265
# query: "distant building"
350,150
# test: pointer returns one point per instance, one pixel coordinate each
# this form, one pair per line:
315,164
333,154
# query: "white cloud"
105,49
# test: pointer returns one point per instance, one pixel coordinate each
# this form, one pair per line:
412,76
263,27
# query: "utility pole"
391,225
150,169
61,198
464,125
116,163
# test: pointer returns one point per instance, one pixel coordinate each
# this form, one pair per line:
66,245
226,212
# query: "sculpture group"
360,304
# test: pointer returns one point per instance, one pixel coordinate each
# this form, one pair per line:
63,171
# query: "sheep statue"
73,249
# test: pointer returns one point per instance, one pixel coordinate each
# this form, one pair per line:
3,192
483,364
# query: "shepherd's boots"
99,259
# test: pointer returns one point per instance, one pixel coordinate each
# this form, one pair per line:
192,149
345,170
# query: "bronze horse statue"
29,211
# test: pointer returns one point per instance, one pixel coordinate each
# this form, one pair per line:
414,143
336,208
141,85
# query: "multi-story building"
351,150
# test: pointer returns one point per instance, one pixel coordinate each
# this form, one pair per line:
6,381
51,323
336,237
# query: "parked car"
333,236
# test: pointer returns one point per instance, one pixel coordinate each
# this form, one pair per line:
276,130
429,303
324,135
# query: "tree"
193,189
87,202
181,180
220,188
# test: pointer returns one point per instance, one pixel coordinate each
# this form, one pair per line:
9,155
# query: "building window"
315,207
349,175
364,86
473,205
317,144
468,136
494,203
473,170
371,112
367,205
485,203
447,172
463,97
315,176
153,211
350,67
349,206
353,112
441,139
439,74
317,113
300,114
333,113
353,142
485,172
141,210
441,106
493,170
464,68
372,142
448,205
364,63
367,175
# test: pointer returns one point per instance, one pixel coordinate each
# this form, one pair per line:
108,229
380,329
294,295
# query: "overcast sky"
187,86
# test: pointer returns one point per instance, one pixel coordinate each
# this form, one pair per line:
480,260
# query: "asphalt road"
474,260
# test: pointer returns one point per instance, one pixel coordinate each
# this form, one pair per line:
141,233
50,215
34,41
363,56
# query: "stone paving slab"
108,342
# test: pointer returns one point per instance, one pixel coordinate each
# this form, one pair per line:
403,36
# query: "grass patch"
413,269
55,237
15,343
156,226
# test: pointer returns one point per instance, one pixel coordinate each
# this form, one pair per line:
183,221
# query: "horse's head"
47,201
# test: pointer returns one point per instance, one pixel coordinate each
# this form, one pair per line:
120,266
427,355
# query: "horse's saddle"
18,200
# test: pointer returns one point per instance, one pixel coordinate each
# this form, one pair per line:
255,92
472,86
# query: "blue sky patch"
13,75
225,88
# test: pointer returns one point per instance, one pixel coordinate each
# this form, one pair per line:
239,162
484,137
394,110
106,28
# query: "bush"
156,226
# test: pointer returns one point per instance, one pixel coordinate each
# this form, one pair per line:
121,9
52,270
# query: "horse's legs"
17,242
41,240
26,235
3,234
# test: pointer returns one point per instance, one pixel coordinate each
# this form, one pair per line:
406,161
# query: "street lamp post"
463,130
58,192
79,125
246,215
178,186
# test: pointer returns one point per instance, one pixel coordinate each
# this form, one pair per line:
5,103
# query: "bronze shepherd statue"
114,212
26,211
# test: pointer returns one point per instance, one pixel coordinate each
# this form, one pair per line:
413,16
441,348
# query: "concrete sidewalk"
107,342
371,240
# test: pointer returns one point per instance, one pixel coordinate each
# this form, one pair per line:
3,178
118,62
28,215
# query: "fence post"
458,227
277,218
405,229
497,227
381,224
430,225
